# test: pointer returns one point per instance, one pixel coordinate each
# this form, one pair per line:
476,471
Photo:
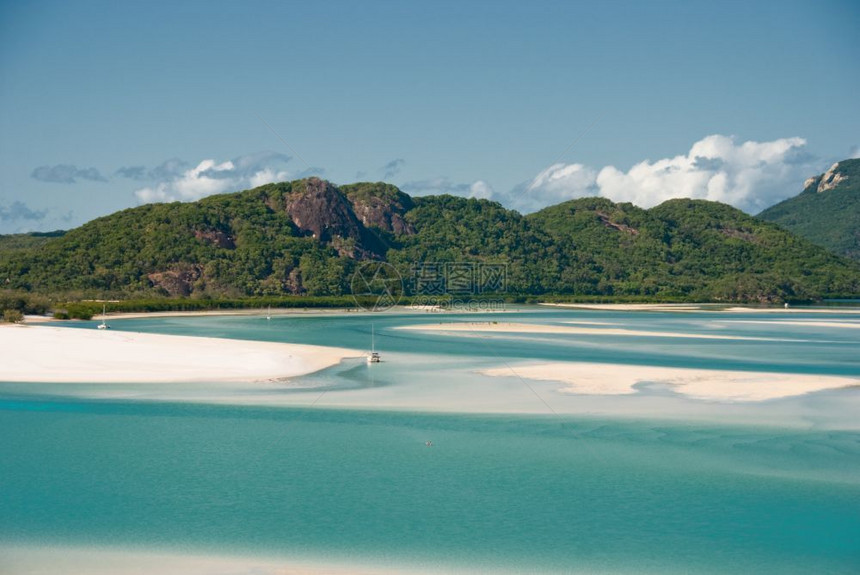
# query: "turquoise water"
798,349
638,493
541,493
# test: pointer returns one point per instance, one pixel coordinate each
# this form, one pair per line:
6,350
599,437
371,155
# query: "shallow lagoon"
644,483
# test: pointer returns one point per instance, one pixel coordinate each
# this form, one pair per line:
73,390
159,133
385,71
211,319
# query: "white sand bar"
699,307
611,379
801,323
32,560
795,310
67,355
571,328
632,306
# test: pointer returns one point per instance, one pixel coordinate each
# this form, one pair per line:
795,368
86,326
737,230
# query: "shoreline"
48,354
573,328
727,308
257,372
702,307
258,312
86,560
586,378
635,306
35,319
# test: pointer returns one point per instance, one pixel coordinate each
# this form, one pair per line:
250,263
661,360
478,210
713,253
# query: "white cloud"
481,190
267,176
211,177
557,183
854,152
750,176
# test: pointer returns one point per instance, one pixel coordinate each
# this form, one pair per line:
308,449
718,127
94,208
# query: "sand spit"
77,355
707,384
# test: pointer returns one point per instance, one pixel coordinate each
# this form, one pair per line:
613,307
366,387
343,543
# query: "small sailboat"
103,324
269,313
373,356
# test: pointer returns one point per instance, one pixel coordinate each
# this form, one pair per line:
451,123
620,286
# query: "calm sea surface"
569,485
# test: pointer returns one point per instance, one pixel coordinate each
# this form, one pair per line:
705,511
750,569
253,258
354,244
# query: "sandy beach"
707,384
261,312
252,312
792,310
71,355
633,306
38,560
573,328
699,307
801,323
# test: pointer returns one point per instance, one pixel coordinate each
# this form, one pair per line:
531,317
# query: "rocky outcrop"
216,237
811,182
739,234
830,179
607,221
178,281
827,212
375,212
381,206
318,209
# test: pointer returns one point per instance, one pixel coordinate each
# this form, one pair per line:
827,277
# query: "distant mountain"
309,236
827,212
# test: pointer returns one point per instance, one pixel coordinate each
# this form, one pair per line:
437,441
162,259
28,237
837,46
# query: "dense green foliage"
12,316
284,244
229,245
455,229
26,241
829,218
23,302
88,309
688,248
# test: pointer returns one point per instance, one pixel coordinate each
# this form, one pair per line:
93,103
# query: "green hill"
307,237
827,212
11,242
686,248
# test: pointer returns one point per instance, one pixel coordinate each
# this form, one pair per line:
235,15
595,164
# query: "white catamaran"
103,324
373,357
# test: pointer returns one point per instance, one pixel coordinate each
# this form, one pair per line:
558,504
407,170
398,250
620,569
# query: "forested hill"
24,241
308,236
827,212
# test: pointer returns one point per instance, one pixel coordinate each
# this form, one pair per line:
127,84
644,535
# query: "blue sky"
105,105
